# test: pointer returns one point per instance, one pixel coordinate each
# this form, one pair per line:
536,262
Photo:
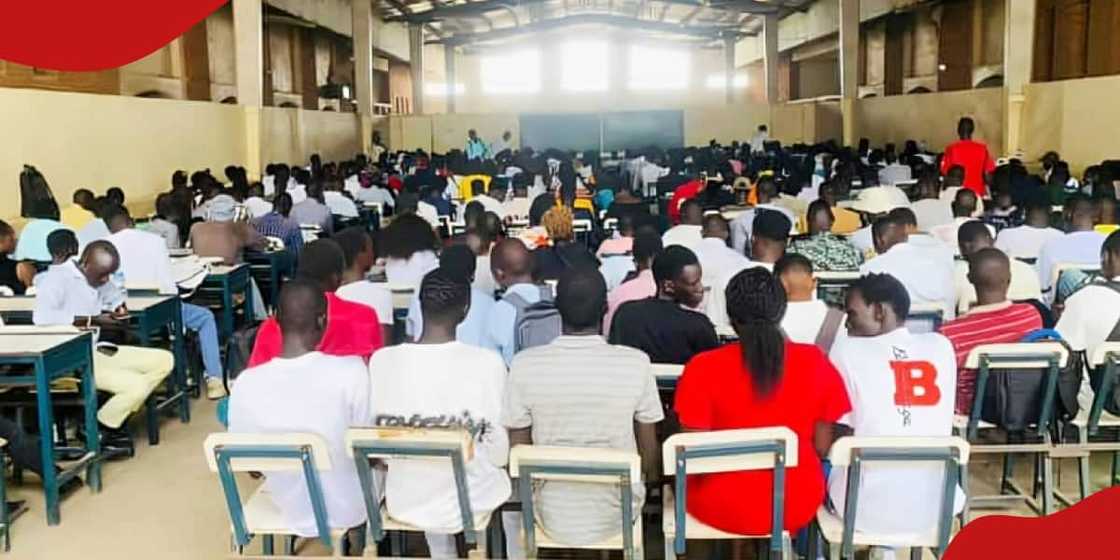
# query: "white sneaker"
215,389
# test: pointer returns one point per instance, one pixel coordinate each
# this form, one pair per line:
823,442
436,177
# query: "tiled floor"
165,504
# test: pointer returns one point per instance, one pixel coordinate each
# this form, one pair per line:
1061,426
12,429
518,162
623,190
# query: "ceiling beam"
406,12
449,11
707,32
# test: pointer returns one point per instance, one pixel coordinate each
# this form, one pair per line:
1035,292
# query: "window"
515,72
658,68
584,66
440,89
715,81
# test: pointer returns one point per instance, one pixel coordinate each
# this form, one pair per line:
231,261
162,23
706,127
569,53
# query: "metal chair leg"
1083,479
1047,484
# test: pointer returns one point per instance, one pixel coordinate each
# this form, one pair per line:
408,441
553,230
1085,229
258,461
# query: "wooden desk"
53,356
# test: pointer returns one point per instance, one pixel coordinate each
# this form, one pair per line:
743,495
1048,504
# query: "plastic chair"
532,463
853,452
453,446
1032,358
229,453
1089,422
724,451
934,313
667,375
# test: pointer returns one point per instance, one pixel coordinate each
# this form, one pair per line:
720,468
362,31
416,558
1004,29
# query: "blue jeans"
201,320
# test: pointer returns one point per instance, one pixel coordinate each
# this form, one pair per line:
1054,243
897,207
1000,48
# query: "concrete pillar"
849,66
449,76
770,56
1018,49
729,69
248,37
362,21
416,62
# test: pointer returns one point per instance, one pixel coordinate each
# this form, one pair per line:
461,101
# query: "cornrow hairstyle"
756,303
884,289
443,293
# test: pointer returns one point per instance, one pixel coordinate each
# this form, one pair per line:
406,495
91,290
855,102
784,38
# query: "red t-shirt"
683,193
352,330
716,393
974,158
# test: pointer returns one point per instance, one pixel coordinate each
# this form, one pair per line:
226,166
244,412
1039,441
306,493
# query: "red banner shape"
87,35
1082,531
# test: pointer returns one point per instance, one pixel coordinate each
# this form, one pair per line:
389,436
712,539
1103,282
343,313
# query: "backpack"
1013,401
535,324
1096,375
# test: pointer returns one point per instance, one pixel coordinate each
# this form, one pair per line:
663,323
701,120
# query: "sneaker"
215,389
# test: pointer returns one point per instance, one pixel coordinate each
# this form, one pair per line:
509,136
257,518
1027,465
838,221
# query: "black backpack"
1013,400
1096,375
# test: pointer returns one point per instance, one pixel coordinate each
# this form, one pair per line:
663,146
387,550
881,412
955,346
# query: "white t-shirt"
899,384
1089,317
1075,247
483,276
716,259
340,205
803,320
947,233
716,302
683,235
926,274
1025,242
297,191
257,206
144,260
314,393
490,204
409,273
375,295
615,269
861,239
449,384
931,212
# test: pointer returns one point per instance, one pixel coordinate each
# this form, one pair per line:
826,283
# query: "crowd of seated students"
669,285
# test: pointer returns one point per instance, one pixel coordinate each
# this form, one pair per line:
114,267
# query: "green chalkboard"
562,131
632,130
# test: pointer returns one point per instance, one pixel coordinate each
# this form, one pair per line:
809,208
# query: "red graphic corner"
1082,531
84,35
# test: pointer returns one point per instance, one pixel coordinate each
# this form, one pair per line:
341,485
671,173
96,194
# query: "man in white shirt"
459,262
339,204
256,204
312,211
371,191
1026,241
512,266
929,209
1081,246
478,194
1091,314
716,258
357,249
741,226
303,390
504,144
964,206
900,384
457,386
927,275
808,320
687,233
894,172
145,263
973,237
67,295
768,245
758,141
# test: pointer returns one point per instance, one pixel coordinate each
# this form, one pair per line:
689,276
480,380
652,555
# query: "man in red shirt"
352,329
682,193
972,156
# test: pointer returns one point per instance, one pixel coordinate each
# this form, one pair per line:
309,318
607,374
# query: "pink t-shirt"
619,246
637,288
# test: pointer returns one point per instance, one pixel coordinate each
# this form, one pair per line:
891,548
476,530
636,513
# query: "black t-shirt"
8,275
667,332
550,262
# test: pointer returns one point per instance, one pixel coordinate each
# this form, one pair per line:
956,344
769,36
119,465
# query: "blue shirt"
274,224
500,323
471,331
476,149
33,240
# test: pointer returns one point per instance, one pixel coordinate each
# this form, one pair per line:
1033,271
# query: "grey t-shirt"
579,391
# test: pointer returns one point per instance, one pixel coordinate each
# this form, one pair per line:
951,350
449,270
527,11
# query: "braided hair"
756,303
443,293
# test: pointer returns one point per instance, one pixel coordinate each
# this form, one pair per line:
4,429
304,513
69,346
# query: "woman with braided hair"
763,380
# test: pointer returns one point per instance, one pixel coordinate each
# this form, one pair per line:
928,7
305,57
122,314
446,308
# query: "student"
517,206
512,266
808,320
665,326
565,252
305,390
546,404
900,384
480,241
641,284
824,249
926,275
621,244
994,319
256,204
144,261
78,214
32,244
845,221
503,144
1091,313
458,262
371,190
313,211
97,228
972,156
163,224
15,275
476,149
67,293
338,203
687,233
357,249
929,209
741,226
768,245
1082,245
964,207
409,246
276,223
716,258
975,236
115,195
1026,241
458,385
222,237
763,380
478,194
893,172
352,329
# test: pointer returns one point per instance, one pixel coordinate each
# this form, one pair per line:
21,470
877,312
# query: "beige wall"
1077,118
931,117
724,124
